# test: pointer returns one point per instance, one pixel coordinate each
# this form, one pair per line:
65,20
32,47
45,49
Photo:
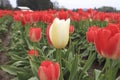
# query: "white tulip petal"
59,33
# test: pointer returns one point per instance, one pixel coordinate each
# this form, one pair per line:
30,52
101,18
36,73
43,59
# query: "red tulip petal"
57,71
41,73
47,34
113,49
101,39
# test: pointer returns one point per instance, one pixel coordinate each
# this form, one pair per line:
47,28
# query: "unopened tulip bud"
59,33
35,34
49,70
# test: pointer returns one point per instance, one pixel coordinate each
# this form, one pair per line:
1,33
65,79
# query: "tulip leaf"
10,69
74,68
16,78
33,78
118,78
24,75
67,64
34,67
20,63
16,57
97,74
28,44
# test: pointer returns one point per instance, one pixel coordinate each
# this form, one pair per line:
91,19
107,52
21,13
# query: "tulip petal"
59,33
107,42
42,74
35,34
57,71
101,39
49,71
47,34
114,46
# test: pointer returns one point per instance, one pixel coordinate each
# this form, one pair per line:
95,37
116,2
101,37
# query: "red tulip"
71,29
90,34
62,14
35,34
107,41
48,18
33,52
26,19
75,16
47,34
49,70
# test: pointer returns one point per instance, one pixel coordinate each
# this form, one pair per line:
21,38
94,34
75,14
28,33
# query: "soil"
3,58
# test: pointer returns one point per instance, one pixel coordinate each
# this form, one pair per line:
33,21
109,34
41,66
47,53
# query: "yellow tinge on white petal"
59,33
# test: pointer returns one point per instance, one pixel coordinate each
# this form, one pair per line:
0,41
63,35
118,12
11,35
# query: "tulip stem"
110,70
34,46
88,64
58,58
90,60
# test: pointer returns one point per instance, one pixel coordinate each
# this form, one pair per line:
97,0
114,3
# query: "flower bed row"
62,45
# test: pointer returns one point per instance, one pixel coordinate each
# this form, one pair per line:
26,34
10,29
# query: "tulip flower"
35,34
71,29
47,34
75,16
33,52
49,70
107,41
62,14
90,34
58,33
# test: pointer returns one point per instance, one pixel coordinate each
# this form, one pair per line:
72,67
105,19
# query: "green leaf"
74,68
89,62
67,64
118,78
28,44
50,52
20,63
24,75
16,57
16,78
97,74
10,69
70,56
34,67
33,78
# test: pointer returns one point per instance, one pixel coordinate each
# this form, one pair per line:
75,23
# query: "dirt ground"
3,58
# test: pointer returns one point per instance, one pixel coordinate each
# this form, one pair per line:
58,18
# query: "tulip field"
60,44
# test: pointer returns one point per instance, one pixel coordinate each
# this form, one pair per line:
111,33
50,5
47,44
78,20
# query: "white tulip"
59,33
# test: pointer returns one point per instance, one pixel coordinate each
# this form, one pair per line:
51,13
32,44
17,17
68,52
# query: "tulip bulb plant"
35,34
33,53
68,54
49,70
59,33
106,41
71,29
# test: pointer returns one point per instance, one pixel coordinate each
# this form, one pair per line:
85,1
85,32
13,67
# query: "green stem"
110,70
58,58
34,46
88,64
90,60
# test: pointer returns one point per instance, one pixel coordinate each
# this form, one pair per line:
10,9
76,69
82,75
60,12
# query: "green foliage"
6,23
75,59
